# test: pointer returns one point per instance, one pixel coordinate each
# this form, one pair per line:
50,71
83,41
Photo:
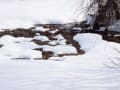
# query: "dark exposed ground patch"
67,34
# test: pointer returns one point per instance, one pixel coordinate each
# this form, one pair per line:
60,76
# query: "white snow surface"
25,13
95,70
88,41
18,47
60,49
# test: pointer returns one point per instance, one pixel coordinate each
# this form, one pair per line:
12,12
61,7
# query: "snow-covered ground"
60,75
97,69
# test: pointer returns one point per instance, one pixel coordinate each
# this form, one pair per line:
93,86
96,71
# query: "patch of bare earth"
58,29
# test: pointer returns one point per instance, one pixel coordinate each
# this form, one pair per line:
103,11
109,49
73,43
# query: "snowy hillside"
23,13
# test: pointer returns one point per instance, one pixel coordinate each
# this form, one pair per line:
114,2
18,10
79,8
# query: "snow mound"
60,49
18,48
88,41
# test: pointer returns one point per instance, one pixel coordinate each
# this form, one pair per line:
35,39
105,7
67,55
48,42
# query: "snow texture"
94,70
97,69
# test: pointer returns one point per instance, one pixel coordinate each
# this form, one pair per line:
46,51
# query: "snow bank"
88,41
98,52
